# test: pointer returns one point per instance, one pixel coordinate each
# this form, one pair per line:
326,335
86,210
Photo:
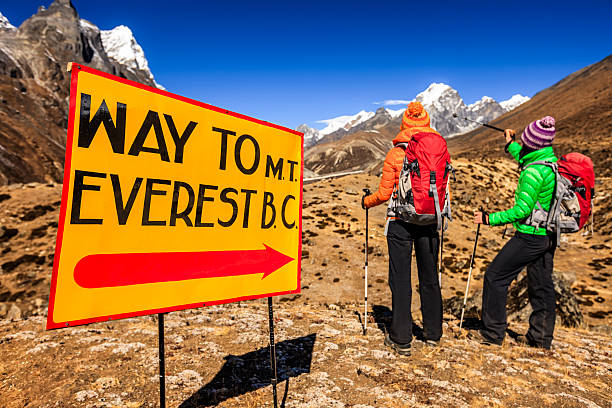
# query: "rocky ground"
218,355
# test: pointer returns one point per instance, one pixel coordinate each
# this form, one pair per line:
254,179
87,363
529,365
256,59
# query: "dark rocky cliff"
34,89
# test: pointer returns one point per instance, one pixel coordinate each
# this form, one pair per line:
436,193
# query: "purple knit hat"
539,134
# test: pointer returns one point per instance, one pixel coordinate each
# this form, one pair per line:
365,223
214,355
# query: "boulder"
14,313
518,307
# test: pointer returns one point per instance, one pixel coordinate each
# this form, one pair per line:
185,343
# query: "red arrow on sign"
112,270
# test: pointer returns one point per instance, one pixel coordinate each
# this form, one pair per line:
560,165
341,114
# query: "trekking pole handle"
482,212
367,193
493,127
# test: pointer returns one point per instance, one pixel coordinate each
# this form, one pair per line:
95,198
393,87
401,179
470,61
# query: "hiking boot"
432,343
524,341
401,349
476,335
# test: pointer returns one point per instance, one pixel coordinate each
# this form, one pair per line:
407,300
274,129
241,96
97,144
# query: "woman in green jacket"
530,247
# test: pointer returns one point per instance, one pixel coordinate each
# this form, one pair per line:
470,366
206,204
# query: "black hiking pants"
535,252
400,238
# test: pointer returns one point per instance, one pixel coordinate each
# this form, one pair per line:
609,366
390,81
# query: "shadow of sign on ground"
251,371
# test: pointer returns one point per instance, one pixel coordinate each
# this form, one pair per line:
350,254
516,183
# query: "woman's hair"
525,150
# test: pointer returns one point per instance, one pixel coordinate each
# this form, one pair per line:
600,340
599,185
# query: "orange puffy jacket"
392,167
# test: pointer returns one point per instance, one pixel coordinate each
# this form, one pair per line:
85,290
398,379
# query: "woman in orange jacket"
400,238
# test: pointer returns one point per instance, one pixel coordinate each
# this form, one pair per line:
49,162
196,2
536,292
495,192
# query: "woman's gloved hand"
481,217
510,135
366,192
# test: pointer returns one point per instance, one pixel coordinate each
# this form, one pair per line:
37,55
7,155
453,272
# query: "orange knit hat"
415,116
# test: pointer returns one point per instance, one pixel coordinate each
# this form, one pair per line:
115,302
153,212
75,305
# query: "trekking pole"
592,215
440,259
365,314
480,123
467,288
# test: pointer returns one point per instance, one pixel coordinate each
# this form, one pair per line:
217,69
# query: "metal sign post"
162,362
274,379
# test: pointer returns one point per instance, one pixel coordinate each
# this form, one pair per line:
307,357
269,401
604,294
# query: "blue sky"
294,62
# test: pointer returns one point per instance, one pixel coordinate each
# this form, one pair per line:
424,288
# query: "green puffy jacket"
536,184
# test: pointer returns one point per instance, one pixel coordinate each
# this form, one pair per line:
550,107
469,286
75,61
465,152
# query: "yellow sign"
169,203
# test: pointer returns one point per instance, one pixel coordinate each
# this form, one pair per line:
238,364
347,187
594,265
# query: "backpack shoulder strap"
433,192
542,163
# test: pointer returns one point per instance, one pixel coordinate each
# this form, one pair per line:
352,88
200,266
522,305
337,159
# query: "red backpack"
572,203
578,169
423,182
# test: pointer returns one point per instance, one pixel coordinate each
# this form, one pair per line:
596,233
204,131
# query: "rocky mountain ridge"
581,104
34,87
440,100
121,46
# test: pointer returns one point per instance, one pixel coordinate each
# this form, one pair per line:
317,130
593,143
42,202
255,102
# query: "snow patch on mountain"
482,102
440,100
311,135
120,45
88,25
344,122
434,93
5,23
484,110
513,102
395,113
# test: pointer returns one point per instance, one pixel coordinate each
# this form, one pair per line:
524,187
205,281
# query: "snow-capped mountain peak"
395,113
88,25
344,122
483,110
513,102
482,101
120,45
440,100
433,93
5,23
311,135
